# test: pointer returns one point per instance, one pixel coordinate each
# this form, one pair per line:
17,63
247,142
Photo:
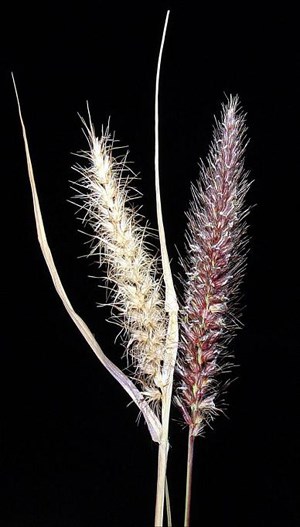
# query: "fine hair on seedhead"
216,246
119,241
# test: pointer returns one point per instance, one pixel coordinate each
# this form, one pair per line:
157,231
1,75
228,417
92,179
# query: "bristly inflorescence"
216,242
118,238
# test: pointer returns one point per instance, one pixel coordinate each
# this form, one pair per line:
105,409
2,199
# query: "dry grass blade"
150,418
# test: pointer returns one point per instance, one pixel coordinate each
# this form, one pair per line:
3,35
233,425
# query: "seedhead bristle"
119,239
213,268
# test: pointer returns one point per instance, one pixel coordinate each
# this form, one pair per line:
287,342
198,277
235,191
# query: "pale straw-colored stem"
171,308
168,505
189,476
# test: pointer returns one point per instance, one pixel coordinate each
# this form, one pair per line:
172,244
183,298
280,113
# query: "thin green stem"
189,475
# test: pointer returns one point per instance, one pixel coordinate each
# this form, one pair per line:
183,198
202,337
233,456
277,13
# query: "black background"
71,453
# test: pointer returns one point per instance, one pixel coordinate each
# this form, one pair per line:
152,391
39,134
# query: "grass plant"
160,335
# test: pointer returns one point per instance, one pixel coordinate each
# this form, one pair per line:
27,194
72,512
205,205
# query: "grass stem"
168,505
171,308
189,475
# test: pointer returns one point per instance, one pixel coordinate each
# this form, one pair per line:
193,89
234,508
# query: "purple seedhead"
216,246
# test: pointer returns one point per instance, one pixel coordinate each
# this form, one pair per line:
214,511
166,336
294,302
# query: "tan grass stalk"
171,307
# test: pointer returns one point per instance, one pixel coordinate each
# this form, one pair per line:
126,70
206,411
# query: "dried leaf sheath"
215,244
118,236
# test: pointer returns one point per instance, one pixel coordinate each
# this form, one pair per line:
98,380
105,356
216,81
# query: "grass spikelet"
216,246
119,240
